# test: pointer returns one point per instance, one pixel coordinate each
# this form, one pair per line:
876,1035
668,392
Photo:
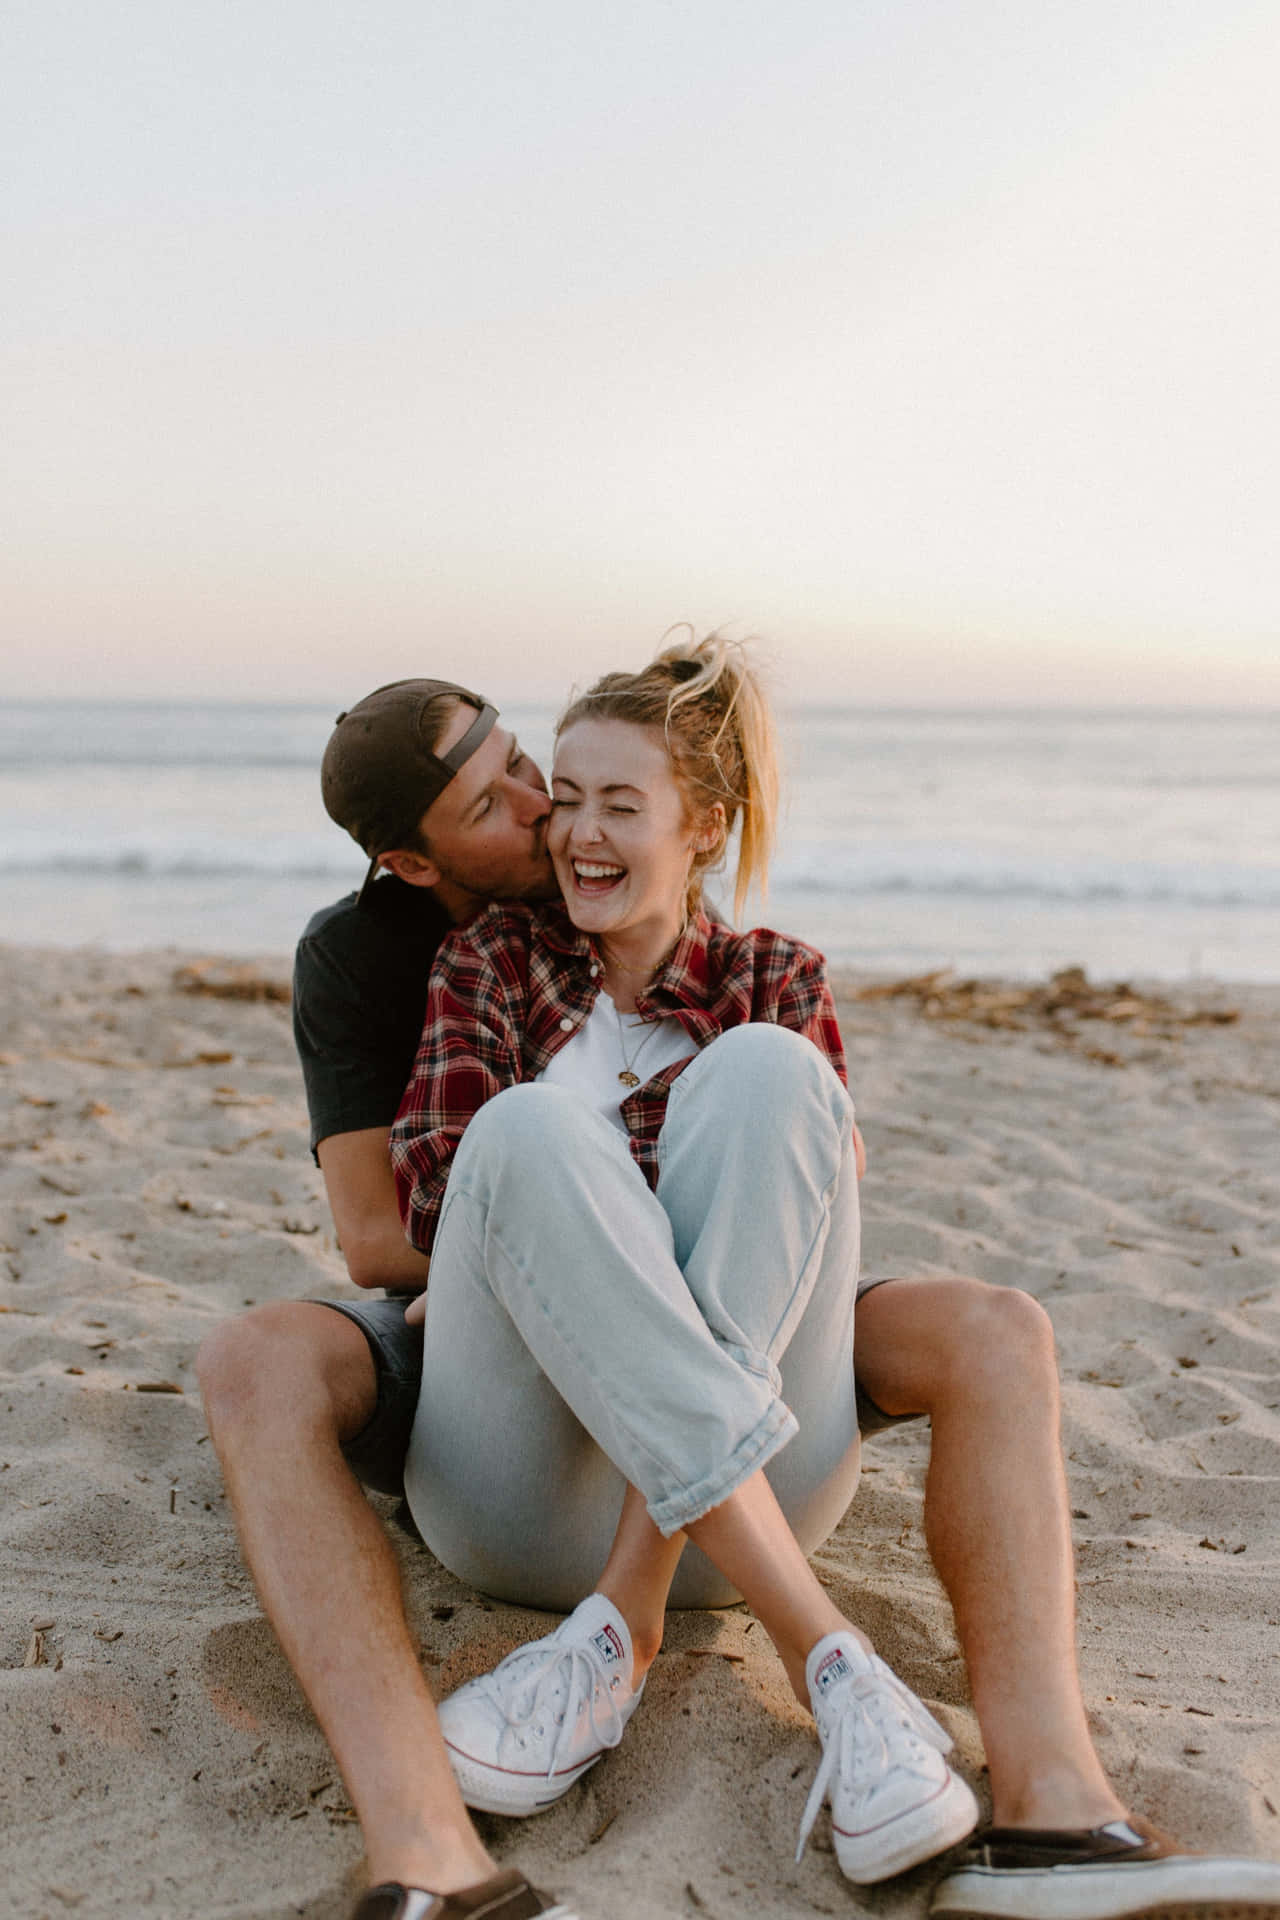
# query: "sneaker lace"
583,1676
865,1736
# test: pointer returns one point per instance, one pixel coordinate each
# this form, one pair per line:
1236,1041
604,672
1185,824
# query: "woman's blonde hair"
707,699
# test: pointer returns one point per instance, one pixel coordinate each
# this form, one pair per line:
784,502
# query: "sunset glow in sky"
933,340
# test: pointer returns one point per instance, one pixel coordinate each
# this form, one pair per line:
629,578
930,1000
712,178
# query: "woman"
628,1147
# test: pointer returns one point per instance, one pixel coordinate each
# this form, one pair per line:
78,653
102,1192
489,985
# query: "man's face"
487,831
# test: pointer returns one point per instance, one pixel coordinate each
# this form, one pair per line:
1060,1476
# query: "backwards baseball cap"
380,773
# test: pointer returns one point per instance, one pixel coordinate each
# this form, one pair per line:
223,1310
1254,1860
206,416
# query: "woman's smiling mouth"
594,876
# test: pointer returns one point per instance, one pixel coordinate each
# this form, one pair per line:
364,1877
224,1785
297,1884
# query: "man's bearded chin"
544,886
536,882
533,888
544,889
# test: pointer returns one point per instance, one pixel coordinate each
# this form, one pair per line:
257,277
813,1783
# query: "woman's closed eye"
561,806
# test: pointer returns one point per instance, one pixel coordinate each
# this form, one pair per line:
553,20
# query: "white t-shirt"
590,1063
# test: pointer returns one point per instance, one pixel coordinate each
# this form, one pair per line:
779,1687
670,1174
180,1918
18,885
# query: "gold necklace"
628,1077
616,966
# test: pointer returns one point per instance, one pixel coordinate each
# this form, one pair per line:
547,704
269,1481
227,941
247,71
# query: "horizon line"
215,702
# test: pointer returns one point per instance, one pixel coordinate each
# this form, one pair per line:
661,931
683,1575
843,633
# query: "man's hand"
859,1151
416,1311
362,1199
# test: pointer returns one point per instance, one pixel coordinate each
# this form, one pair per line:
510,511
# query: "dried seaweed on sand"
1057,1004
229,980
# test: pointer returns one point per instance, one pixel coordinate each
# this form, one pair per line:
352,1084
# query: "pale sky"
934,341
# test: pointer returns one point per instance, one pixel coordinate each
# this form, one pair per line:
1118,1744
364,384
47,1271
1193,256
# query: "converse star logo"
609,1644
834,1667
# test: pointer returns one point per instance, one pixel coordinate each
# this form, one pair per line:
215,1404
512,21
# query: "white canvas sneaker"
519,1737
894,1799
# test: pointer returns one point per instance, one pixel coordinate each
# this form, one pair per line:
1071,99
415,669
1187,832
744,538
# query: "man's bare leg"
283,1387
980,1361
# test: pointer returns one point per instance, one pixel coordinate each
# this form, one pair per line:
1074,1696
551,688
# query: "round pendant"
628,1078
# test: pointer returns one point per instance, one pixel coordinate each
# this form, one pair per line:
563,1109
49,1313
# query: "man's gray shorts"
376,1455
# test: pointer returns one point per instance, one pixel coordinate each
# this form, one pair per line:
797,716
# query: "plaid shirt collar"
683,979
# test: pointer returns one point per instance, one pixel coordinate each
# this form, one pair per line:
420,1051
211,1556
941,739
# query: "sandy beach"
1118,1159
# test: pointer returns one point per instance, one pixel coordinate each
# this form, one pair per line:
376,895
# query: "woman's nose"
586,828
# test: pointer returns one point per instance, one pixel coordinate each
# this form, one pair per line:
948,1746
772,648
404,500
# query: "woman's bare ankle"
795,1659
646,1623
646,1644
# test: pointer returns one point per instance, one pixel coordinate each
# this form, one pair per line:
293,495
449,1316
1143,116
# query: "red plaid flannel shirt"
514,985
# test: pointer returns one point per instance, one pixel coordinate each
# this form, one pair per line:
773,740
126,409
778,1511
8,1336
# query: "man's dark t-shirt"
359,997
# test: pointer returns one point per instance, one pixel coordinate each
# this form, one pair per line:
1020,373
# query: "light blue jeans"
583,1331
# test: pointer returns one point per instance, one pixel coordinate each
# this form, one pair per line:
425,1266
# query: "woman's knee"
766,1063
526,1119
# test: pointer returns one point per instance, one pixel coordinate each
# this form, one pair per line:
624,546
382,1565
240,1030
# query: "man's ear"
415,869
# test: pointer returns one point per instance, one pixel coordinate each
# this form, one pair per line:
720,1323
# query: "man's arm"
477,1003
362,1200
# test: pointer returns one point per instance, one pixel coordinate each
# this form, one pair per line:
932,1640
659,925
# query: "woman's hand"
859,1158
416,1311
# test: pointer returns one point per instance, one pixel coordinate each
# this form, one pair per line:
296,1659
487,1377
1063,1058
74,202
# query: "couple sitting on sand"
618,1132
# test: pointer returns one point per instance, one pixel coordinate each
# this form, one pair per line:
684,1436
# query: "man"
288,1387
304,1401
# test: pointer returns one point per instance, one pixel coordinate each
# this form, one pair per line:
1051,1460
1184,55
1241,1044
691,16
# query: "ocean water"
1135,844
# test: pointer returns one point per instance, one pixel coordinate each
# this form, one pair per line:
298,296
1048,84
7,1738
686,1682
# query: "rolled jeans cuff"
751,1360
771,1433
